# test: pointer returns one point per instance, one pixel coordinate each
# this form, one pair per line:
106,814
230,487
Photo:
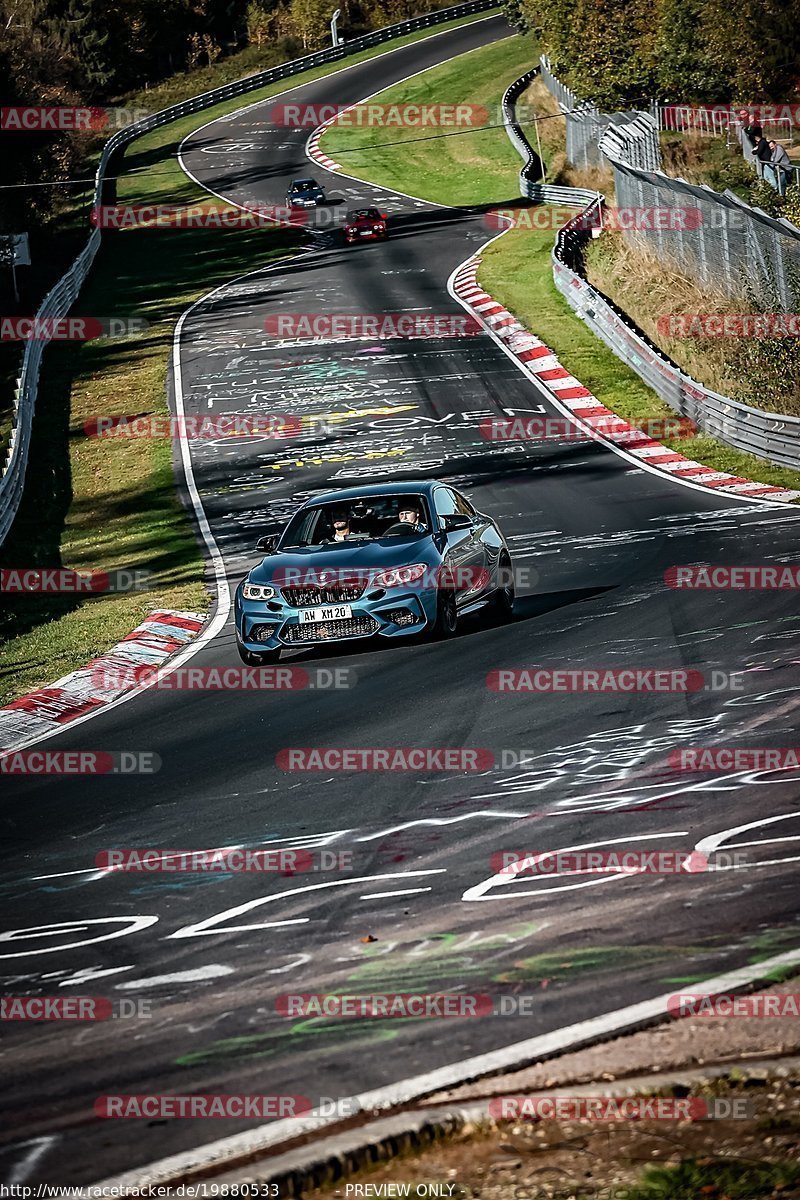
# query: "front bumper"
272,624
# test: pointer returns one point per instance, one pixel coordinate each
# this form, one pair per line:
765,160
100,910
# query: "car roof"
306,180
418,488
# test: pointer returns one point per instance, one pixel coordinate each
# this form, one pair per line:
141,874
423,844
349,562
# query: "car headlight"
398,576
258,591
377,229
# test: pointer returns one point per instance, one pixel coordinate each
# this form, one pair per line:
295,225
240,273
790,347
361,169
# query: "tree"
685,71
259,23
311,20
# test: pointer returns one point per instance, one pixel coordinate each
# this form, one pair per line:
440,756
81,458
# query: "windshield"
302,185
367,519
364,214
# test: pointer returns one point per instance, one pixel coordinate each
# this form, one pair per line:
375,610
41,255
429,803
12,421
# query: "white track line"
315,155
223,595
269,100
641,463
222,1153
226,1152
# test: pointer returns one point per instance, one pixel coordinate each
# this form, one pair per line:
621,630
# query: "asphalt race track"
210,953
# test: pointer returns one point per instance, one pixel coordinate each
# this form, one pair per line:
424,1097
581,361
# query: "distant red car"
364,223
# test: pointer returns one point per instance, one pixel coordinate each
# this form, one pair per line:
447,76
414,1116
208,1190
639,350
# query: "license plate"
331,612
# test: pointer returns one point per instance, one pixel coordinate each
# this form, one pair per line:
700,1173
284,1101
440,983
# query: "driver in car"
410,515
341,525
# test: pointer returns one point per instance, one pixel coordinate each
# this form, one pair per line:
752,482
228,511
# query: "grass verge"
761,371
459,166
111,504
516,269
169,184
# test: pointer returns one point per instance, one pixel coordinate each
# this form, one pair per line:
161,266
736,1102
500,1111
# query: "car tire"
503,599
257,658
446,614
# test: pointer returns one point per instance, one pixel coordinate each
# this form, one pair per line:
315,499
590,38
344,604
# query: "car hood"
344,556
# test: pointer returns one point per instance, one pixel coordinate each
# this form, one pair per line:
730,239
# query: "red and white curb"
539,361
52,708
313,151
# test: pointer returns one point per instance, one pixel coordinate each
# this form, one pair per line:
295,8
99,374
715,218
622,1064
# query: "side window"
463,505
445,502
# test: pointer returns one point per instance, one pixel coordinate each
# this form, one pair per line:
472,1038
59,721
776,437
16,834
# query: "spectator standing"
762,151
750,128
762,157
782,164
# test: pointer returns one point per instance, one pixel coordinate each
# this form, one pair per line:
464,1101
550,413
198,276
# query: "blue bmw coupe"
387,561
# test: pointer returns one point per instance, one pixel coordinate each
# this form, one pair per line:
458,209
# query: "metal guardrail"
733,245
532,180
770,436
60,299
56,303
632,138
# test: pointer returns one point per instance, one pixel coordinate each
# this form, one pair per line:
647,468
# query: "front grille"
321,631
337,593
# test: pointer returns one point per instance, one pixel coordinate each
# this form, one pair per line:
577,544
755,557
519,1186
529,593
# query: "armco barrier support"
58,301
770,436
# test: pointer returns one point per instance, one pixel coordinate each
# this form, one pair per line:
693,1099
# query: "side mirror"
384,216
266,545
456,521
